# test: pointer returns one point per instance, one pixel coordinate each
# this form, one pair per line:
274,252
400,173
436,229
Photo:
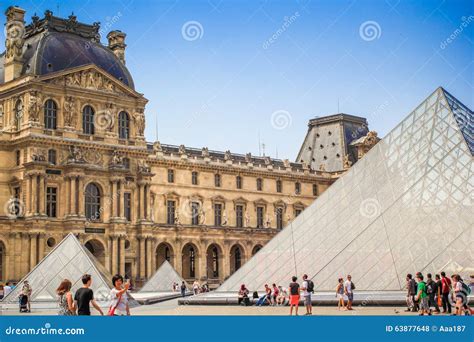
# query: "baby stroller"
23,299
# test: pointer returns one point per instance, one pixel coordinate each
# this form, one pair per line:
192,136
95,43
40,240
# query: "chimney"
14,32
117,44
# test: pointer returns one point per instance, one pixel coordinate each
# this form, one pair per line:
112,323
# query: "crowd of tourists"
276,295
428,295
423,294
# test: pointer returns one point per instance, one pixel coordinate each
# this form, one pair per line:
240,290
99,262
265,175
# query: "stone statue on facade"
182,149
347,162
202,216
38,156
224,219
227,155
157,147
247,219
69,112
117,159
268,221
286,163
75,155
34,106
143,167
248,158
205,152
139,118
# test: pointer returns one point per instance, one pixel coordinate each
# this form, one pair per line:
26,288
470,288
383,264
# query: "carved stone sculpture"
69,112
75,155
139,118
34,106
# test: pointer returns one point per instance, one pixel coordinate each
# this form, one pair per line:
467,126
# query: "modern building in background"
74,160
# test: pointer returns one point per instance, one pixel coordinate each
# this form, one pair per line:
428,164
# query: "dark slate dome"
53,44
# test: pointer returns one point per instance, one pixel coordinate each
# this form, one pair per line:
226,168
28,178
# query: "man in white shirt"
348,290
7,289
307,295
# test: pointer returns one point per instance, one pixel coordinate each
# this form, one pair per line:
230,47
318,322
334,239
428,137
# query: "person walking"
422,296
308,288
294,290
183,289
340,294
119,294
85,296
411,293
65,300
196,287
439,299
26,291
445,290
7,289
349,288
431,290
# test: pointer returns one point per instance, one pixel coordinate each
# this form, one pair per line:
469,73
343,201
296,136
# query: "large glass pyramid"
407,206
163,279
68,260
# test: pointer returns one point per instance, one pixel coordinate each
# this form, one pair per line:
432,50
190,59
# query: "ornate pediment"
90,77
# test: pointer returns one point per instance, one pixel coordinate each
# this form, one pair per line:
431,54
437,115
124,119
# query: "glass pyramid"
163,279
405,207
69,259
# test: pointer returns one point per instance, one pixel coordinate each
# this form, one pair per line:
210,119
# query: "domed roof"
51,45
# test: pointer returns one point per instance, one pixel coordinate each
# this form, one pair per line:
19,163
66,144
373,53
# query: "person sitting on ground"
276,292
65,300
243,296
282,296
294,290
422,296
340,294
119,305
268,295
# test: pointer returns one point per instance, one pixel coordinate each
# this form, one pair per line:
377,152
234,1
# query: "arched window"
18,114
215,262
124,125
192,263
88,120
50,114
92,201
52,157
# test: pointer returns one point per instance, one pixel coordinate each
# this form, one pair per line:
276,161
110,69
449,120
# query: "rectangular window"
170,210
297,188
238,182
259,184
260,217
279,218
127,205
51,201
18,157
278,186
195,213
217,180
315,190
170,176
194,178
218,214
239,216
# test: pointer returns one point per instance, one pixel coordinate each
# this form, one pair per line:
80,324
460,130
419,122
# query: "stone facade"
74,159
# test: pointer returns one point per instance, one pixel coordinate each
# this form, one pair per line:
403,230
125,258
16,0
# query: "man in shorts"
307,295
422,296
348,291
294,291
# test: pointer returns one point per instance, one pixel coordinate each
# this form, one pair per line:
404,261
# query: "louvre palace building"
74,159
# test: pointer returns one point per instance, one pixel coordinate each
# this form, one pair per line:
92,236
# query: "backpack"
429,287
310,286
465,289
255,295
353,287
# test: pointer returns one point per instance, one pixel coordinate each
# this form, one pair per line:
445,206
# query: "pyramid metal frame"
162,280
405,207
69,259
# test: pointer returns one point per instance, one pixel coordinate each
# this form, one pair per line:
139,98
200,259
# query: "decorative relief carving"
139,118
34,106
90,79
38,155
70,112
205,152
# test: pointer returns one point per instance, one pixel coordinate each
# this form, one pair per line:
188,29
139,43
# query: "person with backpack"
422,296
445,290
183,289
349,288
431,290
411,293
308,289
294,290
460,293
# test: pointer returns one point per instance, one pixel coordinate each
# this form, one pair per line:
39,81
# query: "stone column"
114,254
108,256
202,263
40,246
42,195
80,197
226,259
28,195
67,195
152,255
122,255
114,199
120,202
73,195
142,256
33,250
148,257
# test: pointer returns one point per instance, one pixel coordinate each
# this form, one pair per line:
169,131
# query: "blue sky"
233,82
